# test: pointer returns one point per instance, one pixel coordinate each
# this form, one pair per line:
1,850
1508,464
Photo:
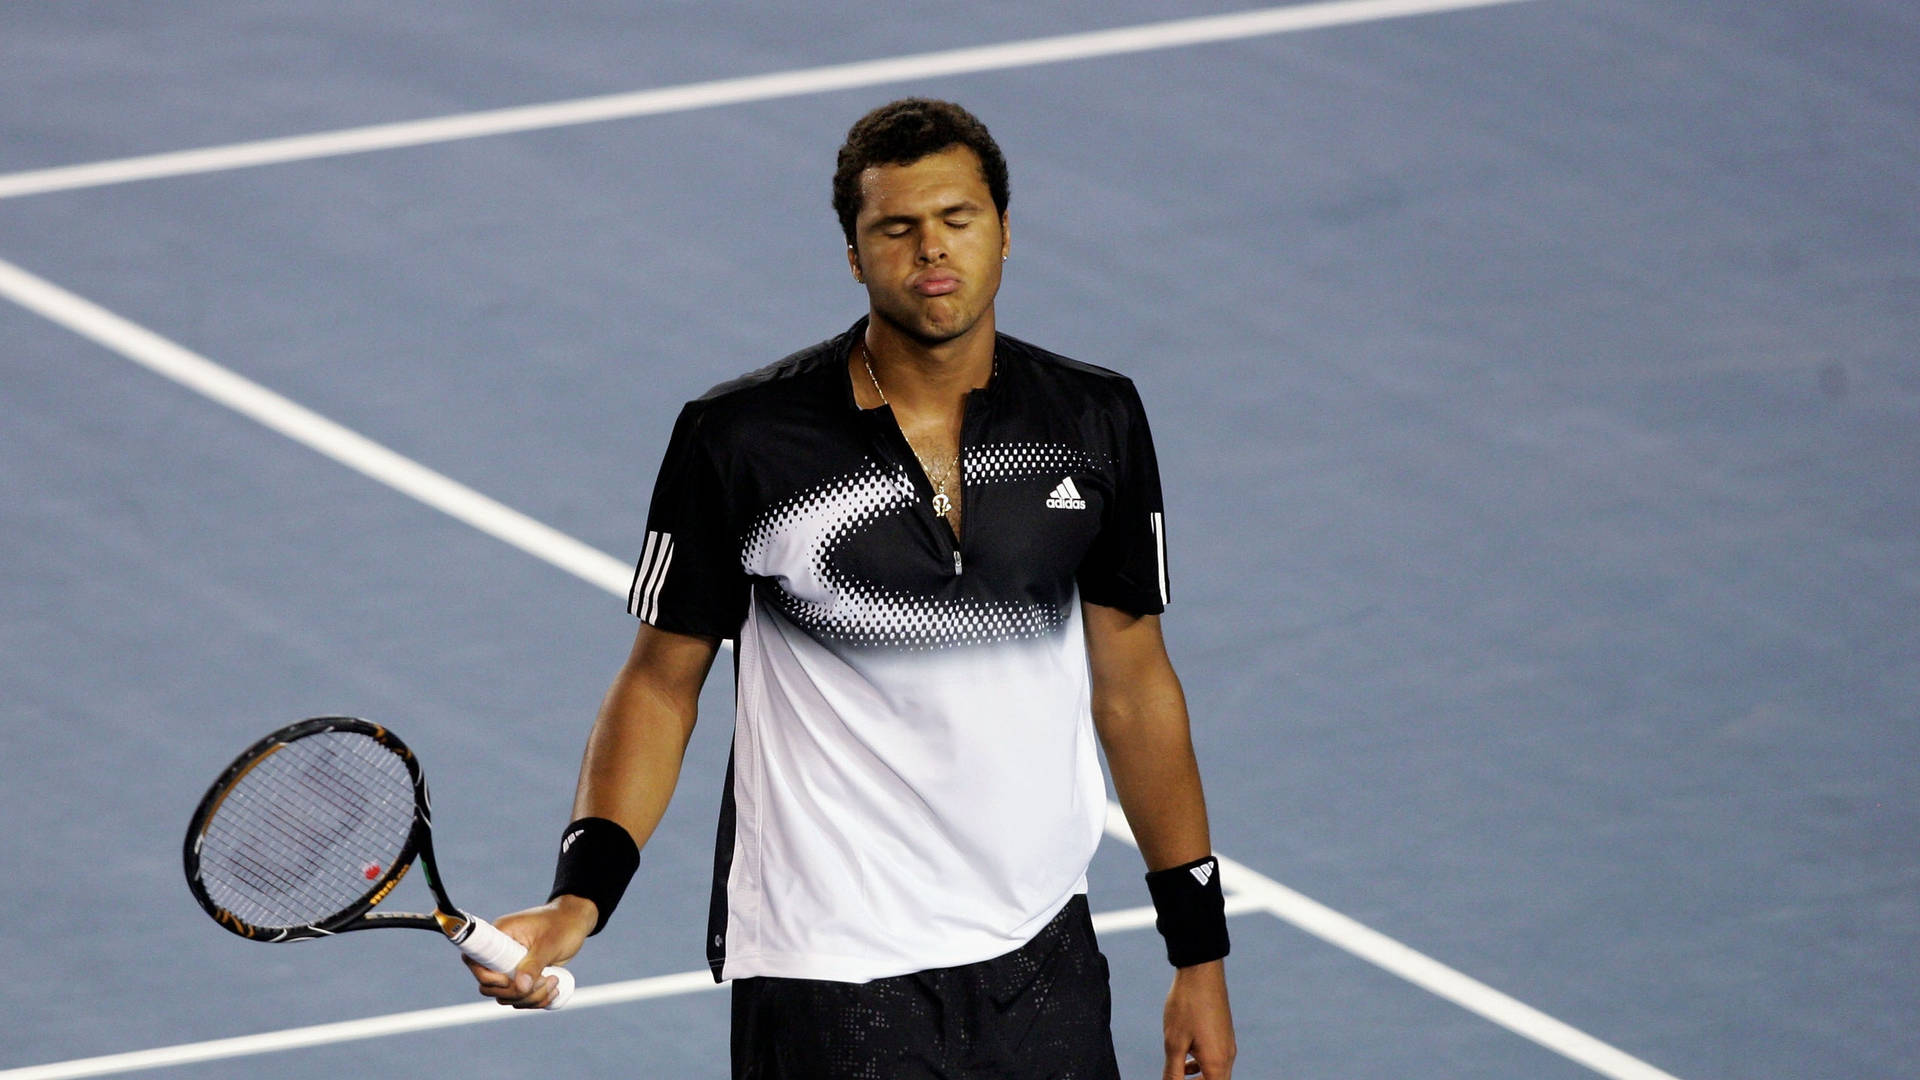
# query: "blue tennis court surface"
1535,386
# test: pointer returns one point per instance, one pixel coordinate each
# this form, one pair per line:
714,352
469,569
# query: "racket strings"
306,851
306,832
293,838
284,850
291,844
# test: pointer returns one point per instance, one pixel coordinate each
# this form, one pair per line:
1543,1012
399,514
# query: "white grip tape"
487,945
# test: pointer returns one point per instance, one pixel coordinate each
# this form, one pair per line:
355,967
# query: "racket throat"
456,926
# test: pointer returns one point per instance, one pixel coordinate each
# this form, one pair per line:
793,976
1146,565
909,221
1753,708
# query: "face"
928,244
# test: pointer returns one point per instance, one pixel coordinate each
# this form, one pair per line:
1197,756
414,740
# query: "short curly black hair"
901,133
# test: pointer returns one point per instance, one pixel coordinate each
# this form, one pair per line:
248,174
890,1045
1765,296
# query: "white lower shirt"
898,811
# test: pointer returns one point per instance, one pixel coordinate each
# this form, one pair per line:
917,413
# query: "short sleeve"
1126,566
689,579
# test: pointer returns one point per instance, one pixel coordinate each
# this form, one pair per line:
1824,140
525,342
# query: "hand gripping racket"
314,825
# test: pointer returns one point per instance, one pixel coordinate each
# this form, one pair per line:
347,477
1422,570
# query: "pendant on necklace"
941,504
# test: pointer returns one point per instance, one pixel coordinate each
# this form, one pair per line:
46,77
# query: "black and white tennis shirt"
914,781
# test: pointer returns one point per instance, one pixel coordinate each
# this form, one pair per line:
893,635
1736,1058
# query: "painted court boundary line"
1173,34
1250,890
479,1012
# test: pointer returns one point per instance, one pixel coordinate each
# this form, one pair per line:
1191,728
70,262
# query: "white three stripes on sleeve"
644,598
1160,549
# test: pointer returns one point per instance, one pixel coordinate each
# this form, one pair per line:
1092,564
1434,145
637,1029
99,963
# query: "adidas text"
1066,497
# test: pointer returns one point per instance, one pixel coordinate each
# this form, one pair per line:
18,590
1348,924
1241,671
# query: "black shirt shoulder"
1056,376
1046,384
797,389
1053,362
799,370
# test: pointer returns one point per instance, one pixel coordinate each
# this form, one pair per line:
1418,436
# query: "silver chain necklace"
936,470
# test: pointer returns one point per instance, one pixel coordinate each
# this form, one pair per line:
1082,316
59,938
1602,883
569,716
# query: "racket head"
307,829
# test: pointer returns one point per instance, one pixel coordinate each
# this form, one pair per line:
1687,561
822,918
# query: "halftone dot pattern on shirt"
855,611
1001,462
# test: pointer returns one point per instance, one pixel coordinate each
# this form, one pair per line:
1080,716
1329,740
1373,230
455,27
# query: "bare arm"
628,775
640,737
1141,715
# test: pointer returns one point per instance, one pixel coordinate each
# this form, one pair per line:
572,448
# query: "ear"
853,264
1006,238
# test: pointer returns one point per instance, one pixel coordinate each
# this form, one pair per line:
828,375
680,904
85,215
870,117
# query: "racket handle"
490,947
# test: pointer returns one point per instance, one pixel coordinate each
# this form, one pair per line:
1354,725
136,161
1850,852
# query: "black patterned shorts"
1041,1012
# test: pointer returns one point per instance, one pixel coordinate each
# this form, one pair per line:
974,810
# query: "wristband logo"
567,843
1203,873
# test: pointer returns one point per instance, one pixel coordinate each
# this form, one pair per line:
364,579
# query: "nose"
933,247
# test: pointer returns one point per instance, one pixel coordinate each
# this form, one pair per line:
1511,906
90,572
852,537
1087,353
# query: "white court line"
479,1012
310,429
304,426
1418,968
1177,33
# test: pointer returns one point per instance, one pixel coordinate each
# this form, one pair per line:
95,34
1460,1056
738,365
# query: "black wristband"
597,859
1191,911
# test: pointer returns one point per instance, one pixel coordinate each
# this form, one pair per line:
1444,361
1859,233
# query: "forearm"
640,736
627,777
633,757
1141,715
1150,752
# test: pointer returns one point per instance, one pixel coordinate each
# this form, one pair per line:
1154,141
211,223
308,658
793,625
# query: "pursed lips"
935,283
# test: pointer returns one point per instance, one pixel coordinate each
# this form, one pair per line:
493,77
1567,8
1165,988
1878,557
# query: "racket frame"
446,918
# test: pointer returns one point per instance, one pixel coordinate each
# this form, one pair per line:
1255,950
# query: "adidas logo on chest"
1066,497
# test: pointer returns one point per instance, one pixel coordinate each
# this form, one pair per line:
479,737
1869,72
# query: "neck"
916,376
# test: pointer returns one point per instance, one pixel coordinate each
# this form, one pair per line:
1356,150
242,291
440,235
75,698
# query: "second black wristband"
1191,910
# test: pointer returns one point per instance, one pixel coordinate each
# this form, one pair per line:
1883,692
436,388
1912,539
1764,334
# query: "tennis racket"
312,827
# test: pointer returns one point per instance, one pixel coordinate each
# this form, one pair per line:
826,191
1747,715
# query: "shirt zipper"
940,527
972,422
970,419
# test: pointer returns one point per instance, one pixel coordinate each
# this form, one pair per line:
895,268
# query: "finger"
538,995
1211,1066
505,993
486,976
530,969
535,986
522,991
509,986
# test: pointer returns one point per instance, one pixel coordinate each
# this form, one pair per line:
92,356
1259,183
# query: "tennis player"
941,553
